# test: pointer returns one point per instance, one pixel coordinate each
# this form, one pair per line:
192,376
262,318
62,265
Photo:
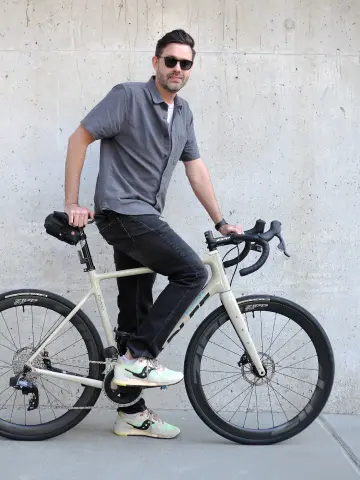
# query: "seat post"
85,255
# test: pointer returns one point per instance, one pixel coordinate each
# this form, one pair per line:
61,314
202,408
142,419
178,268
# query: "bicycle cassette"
122,396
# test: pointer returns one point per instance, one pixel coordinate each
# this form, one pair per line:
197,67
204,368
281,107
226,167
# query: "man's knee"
202,275
194,275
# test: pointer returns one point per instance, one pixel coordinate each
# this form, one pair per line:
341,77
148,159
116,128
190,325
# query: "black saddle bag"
57,225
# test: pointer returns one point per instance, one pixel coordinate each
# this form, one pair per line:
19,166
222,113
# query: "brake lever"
282,245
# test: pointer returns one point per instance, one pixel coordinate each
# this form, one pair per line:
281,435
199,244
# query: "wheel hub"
250,373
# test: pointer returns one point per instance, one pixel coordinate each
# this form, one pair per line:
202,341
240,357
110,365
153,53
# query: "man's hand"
227,229
78,216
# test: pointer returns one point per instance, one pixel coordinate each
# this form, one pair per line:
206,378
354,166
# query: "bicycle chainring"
122,396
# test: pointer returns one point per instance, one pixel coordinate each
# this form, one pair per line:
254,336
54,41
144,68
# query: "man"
145,129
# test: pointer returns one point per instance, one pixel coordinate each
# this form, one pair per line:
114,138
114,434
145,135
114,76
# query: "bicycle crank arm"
229,301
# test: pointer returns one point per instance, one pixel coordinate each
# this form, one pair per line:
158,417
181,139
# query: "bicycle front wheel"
225,390
26,317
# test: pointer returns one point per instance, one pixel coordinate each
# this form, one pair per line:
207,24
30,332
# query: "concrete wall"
276,99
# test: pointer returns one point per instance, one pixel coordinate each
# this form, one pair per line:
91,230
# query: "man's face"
173,78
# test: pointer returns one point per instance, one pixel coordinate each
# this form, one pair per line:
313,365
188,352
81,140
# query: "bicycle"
247,358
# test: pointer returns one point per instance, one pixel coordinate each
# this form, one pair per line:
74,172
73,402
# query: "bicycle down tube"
218,284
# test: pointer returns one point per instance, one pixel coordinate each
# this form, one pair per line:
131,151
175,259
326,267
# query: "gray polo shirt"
138,151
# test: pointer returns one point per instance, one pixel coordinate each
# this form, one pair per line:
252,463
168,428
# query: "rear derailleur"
20,383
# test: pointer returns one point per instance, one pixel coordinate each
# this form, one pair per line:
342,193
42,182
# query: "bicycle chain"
109,365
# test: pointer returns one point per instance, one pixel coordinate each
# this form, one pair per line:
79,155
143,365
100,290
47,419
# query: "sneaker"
144,372
146,423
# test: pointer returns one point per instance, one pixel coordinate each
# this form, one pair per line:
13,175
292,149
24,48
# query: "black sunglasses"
171,62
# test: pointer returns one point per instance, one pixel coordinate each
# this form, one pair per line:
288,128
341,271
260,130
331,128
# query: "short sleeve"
106,118
191,150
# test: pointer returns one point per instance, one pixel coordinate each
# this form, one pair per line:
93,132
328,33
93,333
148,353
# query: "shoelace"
153,363
153,416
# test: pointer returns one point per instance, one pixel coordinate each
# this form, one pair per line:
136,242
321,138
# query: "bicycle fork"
229,301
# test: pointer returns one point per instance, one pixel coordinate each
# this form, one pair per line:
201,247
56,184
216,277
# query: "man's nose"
177,68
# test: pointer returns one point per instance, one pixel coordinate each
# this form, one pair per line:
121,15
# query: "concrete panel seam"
348,453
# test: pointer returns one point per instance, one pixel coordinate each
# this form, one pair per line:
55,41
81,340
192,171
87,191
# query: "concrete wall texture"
276,99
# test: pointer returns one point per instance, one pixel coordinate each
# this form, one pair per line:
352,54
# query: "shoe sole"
143,434
134,382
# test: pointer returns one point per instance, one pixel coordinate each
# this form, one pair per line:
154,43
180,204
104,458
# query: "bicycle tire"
93,343
192,368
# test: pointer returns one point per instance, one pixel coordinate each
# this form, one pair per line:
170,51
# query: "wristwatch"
220,224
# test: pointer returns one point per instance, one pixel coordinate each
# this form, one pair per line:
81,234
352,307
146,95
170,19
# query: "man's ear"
155,62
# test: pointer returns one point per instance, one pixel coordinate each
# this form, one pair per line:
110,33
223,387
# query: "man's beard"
166,84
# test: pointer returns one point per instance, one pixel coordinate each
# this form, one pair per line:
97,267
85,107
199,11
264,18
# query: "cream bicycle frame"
218,284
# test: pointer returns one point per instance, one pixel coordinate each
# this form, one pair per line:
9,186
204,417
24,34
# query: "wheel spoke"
12,411
6,363
298,368
77,341
2,406
213,371
288,388
277,336
1,345
9,331
239,346
220,346
221,379
237,396
48,397
304,360
205,356
299,379
42,327
56,338
7,388
56,321
7,340
262,342
277,398
17,320
55,396
61,388
252,389
233,415
5,372
272,415
212,396
272,333
307,343
284,397
287,342
71,358
257,409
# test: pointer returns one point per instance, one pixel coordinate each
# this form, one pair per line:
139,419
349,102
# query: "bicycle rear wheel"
26,316
232,399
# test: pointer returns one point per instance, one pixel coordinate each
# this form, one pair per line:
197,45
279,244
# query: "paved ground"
329,449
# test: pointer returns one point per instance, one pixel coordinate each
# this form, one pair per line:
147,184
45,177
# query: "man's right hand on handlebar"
78,216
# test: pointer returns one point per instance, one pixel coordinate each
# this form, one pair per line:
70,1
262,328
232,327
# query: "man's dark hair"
176,36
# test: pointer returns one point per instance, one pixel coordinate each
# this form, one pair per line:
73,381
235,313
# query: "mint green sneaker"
146,424
144,372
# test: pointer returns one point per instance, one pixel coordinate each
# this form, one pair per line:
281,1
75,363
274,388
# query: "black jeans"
146,240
